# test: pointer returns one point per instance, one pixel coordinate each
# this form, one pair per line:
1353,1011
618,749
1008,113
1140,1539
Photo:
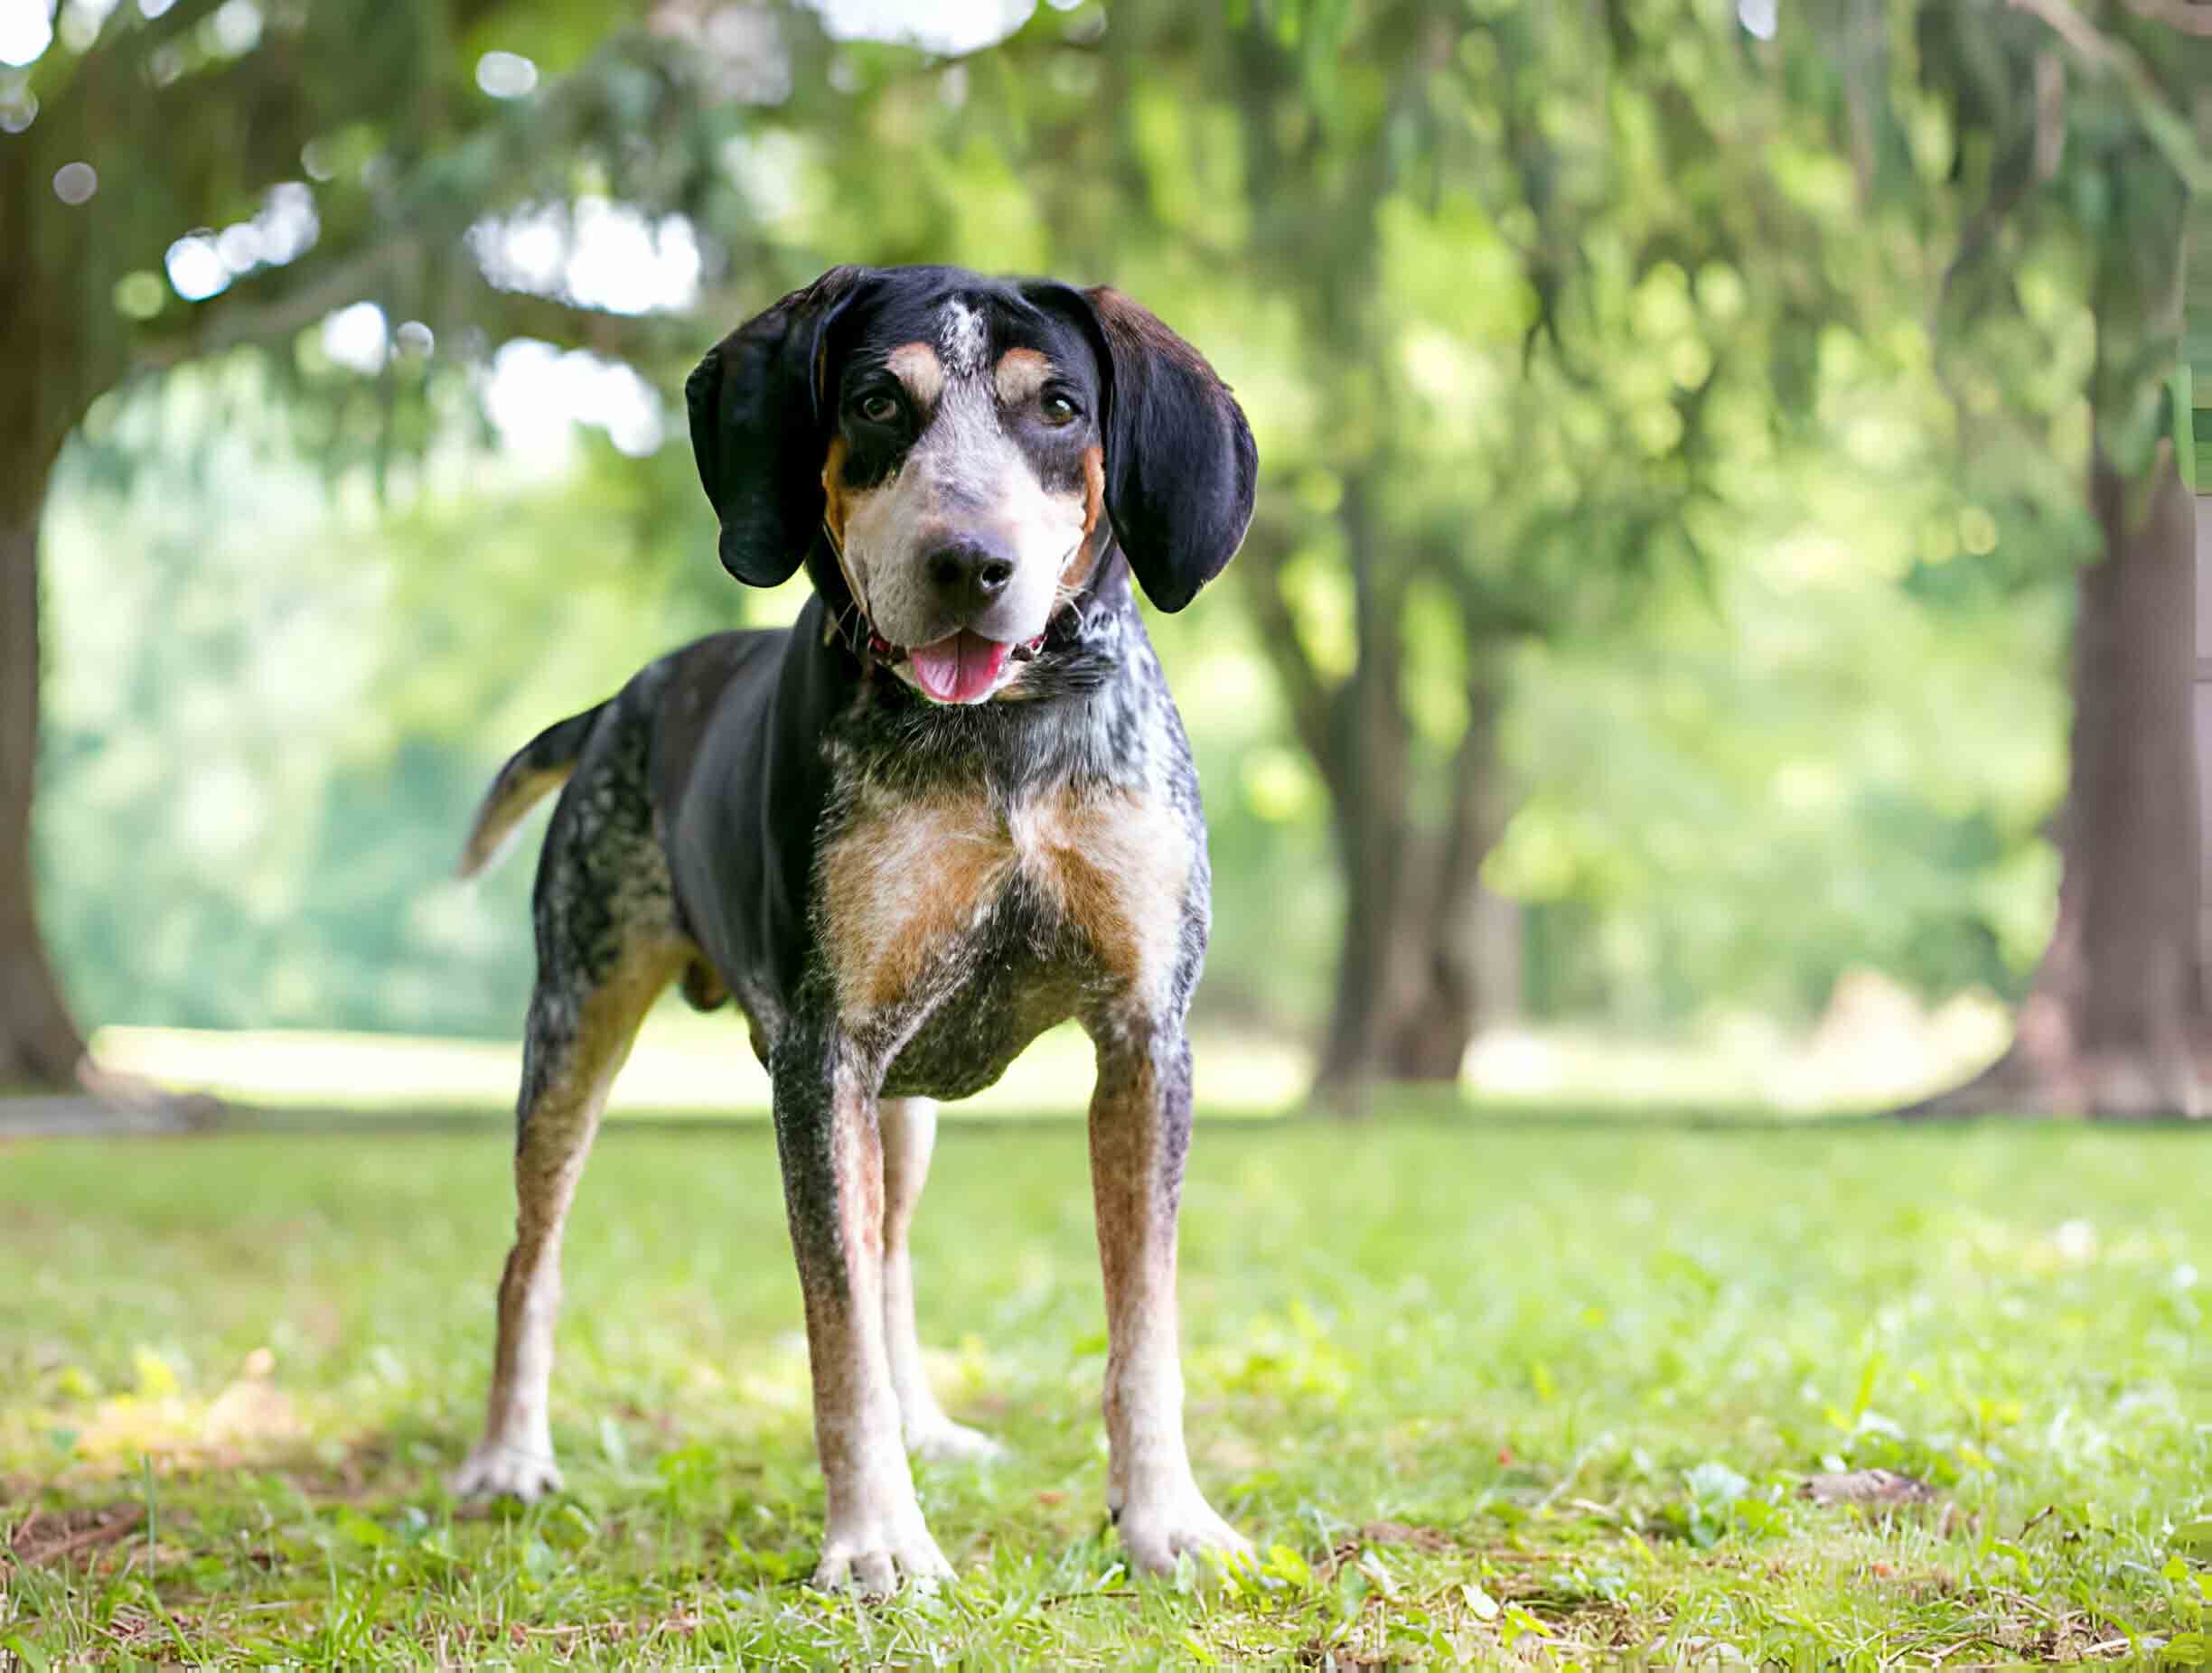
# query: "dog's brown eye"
879,407
1057,409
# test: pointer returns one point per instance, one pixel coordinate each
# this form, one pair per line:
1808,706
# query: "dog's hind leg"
607,944
573,1049
909,1128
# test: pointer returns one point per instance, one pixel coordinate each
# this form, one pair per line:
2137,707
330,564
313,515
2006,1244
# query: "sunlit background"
1720,662
1741,698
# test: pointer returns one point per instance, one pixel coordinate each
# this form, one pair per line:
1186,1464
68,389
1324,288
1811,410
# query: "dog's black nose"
968,574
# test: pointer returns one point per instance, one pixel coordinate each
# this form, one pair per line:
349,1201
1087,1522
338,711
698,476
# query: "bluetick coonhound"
949,809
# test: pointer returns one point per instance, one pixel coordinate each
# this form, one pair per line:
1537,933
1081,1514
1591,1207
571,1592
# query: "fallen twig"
106,1532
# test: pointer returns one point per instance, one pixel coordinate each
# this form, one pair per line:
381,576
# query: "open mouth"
960,667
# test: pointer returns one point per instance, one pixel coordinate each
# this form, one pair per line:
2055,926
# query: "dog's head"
974,449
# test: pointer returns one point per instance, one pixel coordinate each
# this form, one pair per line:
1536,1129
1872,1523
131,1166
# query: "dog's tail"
535,771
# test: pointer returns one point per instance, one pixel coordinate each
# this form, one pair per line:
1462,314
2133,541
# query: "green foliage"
2074,141
1626,409
1712,412
273,846
273,716
1564,1416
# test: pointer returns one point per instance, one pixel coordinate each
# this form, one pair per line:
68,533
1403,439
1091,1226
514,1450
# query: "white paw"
943,1441
495,1472
880,1555
1159,1528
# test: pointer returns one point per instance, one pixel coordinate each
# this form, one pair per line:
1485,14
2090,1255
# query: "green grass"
1498,1392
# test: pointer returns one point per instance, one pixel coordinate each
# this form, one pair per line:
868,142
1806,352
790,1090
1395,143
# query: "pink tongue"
960,667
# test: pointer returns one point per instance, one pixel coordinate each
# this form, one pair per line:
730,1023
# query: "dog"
949,808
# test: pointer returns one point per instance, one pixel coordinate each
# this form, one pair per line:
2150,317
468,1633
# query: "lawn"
1535,1391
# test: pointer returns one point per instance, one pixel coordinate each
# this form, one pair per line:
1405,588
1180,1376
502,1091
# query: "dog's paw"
879,1556
1158,1529
494,1472
946,1442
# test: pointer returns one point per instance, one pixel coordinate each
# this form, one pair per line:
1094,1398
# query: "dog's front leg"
833,1185
1140,1117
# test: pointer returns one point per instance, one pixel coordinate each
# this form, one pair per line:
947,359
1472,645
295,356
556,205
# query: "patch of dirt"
45,1538
1347,1549
1572,1627
1883,1488
367,1471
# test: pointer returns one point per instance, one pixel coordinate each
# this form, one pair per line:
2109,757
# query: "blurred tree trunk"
1468,977
40,1043
1426,956
1421,946
1429,956
206,146
1428,953
2114,1024
1370,782
40,1046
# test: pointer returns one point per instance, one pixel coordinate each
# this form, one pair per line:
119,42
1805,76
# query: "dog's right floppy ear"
1181,469
760,426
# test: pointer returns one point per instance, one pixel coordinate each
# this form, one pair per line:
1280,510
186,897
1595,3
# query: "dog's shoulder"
740,783
723,672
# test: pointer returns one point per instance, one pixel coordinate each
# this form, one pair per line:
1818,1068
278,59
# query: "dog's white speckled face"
973,453
964,484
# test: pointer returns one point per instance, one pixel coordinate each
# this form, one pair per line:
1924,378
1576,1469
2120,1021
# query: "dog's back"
676,695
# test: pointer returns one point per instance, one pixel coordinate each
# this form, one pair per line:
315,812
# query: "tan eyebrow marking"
917,365
1020,374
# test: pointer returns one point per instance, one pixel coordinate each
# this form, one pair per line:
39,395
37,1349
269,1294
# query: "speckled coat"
899,894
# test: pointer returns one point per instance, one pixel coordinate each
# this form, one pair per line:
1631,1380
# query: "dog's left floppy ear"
760,426
1181,467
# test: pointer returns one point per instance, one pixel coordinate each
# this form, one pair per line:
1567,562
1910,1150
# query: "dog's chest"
956,927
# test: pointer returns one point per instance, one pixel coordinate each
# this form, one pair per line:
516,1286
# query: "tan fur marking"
905,880
901,884
503,811
1019,374
917,365
857,1155
575,1091
833,491
1134,1191
1118,865
556,1132
703,990
1079,568
1124,1171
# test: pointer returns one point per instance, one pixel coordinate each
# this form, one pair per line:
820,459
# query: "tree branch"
2192,17
260,310
2076,31
639,339
273,305
1310,701
2167,128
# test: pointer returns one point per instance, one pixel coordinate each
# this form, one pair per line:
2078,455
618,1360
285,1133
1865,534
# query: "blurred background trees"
1677,422
2083,138
185,182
